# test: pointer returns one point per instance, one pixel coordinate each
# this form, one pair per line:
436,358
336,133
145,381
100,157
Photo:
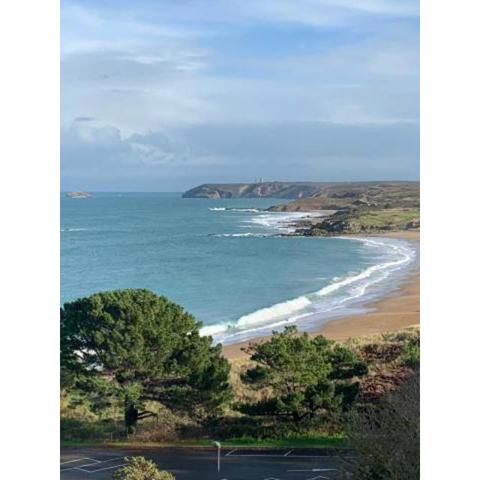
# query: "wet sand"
399,310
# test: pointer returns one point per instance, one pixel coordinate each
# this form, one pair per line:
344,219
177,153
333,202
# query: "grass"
391,218
337,440
320,440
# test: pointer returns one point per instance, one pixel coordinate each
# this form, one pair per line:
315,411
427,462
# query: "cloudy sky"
162,95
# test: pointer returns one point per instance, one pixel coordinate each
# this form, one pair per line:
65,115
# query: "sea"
227,261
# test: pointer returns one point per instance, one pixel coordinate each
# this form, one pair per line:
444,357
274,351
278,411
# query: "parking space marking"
78,460
313,456
101,469
266,455
238,452
316,470
93,463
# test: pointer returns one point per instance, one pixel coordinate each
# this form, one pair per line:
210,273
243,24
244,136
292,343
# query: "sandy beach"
399,310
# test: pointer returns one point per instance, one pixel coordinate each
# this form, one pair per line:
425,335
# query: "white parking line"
93,461
101,469
316,470
313,456
266,455
78,460
291,454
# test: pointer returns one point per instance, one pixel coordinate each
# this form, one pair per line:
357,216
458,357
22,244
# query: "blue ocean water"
225,261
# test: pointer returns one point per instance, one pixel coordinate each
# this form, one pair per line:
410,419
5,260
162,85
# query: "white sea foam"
251,210
72,229
338,294
223,209
214,329
246,234
279,310
278,221
406,255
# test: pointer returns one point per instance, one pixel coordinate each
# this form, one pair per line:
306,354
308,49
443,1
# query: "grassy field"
364,220
372,195
391,219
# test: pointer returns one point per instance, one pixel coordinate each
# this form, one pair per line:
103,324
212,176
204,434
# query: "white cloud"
148,79
183,156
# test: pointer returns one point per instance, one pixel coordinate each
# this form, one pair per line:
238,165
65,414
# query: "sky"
164,95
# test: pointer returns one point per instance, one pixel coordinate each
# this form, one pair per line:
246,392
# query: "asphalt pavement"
202,463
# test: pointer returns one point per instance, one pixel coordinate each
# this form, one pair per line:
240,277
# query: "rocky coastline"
336,208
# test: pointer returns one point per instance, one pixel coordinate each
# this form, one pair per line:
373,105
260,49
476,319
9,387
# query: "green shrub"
301,377
139,468
411,349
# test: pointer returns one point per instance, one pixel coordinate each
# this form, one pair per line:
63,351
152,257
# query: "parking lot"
202,463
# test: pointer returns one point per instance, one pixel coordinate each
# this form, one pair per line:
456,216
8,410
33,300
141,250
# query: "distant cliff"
341,195
255,190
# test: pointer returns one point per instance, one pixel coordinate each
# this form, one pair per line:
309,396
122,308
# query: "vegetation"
412,352
383,426
362,207
137,347
139,468
128,355
301,377
366,220
358,195
386,436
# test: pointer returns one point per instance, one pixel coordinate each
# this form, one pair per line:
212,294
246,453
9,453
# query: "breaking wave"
240,235
322,304
65,229
225,209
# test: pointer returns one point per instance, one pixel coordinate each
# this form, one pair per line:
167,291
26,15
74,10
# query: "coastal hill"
355,207
360,208
338,196
254,190
320,195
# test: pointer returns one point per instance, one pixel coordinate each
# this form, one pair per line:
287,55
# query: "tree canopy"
135,345
301,377
139,468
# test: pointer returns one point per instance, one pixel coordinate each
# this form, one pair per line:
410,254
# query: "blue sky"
164,95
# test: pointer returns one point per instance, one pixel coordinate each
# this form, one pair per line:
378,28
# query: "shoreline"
399,309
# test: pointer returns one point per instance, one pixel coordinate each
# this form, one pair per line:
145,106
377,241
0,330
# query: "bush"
301,378
139,468
386,437
411,349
